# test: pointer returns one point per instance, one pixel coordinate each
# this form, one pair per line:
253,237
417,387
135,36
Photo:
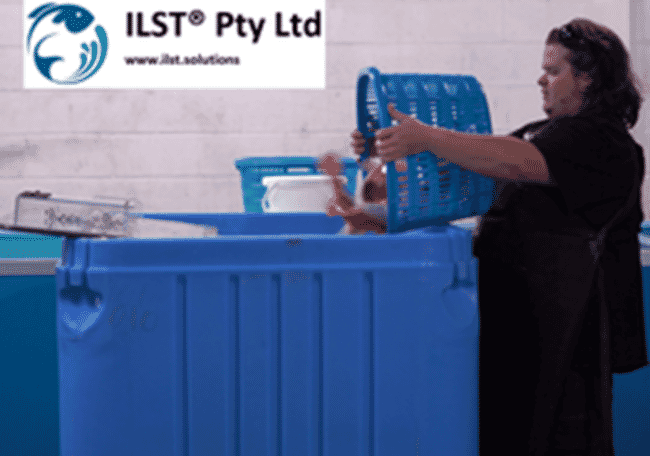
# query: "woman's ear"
584,81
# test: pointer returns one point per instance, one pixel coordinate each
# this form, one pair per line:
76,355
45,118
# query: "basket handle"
370,76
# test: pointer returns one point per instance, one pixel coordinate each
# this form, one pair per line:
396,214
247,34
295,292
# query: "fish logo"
76,20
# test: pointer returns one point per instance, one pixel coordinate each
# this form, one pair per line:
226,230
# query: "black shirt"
593,160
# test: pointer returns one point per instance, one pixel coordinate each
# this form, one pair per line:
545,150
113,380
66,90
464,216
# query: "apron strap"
597,245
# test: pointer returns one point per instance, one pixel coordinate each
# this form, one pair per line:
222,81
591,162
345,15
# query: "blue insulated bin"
29,392
268,344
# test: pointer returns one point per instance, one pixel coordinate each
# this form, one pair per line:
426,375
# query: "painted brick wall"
174,150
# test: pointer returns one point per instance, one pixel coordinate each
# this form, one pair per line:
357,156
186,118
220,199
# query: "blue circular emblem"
76,19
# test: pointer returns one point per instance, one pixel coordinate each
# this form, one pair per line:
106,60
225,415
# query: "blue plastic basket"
253,169
431,191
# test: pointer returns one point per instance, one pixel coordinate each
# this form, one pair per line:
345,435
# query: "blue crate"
430,190
269,344
253,169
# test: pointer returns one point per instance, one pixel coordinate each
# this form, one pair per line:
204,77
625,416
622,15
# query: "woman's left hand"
410,137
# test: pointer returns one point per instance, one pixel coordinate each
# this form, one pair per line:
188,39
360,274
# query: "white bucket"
304,193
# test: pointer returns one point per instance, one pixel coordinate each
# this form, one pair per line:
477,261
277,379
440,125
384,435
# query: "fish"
75,18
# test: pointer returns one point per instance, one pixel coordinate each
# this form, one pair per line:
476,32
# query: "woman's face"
562,92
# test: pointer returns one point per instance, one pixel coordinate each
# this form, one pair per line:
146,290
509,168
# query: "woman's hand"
408,138
359,143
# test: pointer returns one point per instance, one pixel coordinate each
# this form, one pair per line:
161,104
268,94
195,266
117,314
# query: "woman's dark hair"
597,51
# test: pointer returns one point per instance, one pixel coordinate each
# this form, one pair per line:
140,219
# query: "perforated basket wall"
428,190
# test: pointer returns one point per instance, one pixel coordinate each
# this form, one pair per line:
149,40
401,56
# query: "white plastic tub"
305,193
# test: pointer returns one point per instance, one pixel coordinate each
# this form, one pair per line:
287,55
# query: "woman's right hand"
359,143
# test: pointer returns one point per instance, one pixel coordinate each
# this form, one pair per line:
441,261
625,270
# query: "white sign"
174,44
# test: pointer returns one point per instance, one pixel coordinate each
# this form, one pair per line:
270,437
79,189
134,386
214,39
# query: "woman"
559,273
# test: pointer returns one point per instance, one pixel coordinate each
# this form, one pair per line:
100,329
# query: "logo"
47,20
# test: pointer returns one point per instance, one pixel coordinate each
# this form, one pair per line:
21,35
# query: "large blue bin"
267,344
29,411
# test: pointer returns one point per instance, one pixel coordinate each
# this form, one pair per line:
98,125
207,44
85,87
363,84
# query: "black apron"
559,297
518,401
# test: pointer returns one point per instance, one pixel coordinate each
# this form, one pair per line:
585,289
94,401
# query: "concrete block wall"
174,150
